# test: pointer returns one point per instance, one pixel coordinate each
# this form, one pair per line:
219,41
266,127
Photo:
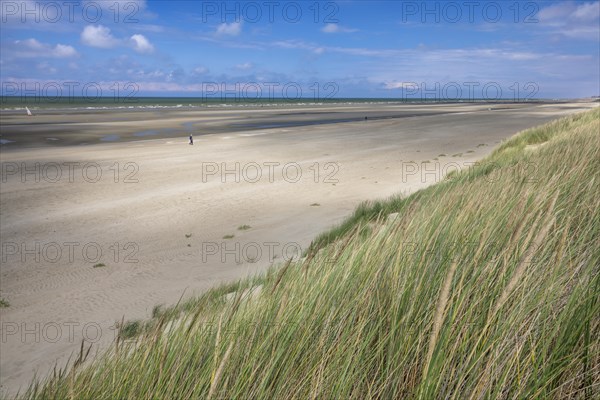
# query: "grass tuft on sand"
482,286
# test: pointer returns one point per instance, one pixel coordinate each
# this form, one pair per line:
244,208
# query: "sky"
270,49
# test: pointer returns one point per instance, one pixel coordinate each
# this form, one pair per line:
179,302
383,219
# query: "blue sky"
405,49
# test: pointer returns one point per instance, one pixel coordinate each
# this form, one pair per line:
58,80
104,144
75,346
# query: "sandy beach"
98,225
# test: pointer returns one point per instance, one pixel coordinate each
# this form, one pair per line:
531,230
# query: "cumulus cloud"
336,28
101,37
33,48
32,44
61,50
141,44
232,29
98,36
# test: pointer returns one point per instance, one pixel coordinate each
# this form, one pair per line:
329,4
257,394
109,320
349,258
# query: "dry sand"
161,194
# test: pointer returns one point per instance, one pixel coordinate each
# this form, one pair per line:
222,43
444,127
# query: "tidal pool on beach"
110,138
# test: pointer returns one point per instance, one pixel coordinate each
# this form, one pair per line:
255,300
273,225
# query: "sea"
18,103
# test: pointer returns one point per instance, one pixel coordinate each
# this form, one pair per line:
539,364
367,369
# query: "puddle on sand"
6,141
110,138
188,125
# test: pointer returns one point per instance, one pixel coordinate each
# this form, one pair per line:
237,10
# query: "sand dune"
160,209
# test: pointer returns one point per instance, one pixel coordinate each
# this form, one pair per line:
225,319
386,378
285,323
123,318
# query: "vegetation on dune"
482,286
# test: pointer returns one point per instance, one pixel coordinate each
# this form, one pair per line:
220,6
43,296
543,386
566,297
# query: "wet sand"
93,232
60,127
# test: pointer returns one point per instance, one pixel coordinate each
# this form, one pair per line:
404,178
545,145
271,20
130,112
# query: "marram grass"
485,286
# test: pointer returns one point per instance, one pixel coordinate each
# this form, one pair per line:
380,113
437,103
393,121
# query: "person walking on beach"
191,140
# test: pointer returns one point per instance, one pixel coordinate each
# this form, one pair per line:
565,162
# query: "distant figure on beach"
191,140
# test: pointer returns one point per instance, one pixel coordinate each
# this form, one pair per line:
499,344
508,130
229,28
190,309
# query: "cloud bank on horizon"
383,49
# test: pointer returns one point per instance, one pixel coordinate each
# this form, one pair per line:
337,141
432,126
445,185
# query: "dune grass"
483,286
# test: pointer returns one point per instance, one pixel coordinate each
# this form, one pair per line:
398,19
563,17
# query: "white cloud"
314,48
62,50
33,48
141,44
245,66
587,12
572,20
101,37
555,11
583,32
98,36
232,29
46,68
32,44
330,28
564,11
200,71
336,28
400,85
